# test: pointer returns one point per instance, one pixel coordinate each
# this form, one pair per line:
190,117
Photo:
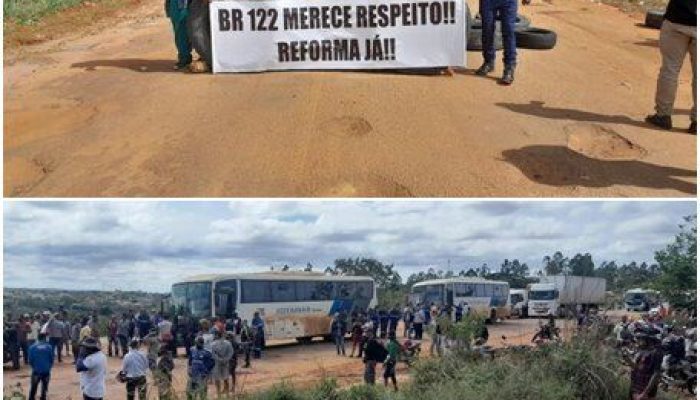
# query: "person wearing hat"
92,366
200,365
646,371
222,351
135,366
41,361
338,329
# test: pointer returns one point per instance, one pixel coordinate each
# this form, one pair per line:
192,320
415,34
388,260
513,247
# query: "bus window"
434,294
255,292
464,289
314,291
283,291
225,298
193,298
345,290
480,290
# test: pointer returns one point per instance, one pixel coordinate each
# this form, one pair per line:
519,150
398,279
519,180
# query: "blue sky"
149,245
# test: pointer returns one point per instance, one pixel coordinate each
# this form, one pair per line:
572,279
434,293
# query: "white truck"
641,299
518,303
561,295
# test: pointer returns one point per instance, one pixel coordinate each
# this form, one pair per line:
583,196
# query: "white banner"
260,35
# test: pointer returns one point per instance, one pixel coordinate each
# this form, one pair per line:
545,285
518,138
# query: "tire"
654,19
521,22
474,39
535,38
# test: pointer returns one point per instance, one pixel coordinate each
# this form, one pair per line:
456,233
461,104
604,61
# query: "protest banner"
252,35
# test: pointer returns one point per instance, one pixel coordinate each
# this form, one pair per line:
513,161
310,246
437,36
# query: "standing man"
646,371
135,367
374,353
259,333
200,365
418,321
113,342
92,366
124,333
507,10
198,29
393,348
23,330
222,351
678,37
41,361
75,338
66,331
338,330
54,329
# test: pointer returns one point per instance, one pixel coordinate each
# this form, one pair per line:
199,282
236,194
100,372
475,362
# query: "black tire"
474,40
654,19
521,22
535,38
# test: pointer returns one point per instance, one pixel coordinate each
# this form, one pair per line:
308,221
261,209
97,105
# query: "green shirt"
393,348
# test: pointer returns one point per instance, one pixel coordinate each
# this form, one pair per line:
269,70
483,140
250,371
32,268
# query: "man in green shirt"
393,348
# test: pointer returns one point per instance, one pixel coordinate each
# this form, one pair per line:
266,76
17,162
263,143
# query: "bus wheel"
304,340
492,317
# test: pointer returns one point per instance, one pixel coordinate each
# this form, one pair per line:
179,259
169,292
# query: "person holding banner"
507,10
176,10
199,31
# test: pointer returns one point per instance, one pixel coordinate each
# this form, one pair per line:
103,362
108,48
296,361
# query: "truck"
518,303
561,295
641,299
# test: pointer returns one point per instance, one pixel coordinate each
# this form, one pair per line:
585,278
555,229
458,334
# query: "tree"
308,267
581,265
678,266
556,264
384,275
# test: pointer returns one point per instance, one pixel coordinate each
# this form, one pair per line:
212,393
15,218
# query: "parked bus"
485,297
641,299
293,304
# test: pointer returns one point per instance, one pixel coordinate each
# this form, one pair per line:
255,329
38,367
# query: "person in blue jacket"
200,363
41,361
258,326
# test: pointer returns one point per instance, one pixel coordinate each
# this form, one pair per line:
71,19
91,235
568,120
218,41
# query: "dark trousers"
506,11
57,343
13,349
123,343
113,342
134,384
34,384
198,29
24,346
178,17
86,397
418,331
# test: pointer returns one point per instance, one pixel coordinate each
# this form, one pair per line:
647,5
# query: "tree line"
673,273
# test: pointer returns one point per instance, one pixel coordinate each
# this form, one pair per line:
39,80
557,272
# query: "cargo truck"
563,294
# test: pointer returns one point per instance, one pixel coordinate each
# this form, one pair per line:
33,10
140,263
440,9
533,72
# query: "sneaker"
660,121
693,129
508,75
485,68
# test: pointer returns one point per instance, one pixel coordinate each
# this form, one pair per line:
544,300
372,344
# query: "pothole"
601,142
346,126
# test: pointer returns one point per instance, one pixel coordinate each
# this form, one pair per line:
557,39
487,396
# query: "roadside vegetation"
35,21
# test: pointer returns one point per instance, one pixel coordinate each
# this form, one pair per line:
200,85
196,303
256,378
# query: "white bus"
293,304
485,297
641,299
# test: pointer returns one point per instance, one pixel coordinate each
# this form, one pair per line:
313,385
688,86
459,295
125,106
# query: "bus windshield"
516,298
544,294
635,298
193,298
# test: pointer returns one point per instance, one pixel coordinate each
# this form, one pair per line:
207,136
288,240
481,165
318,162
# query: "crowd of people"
147,344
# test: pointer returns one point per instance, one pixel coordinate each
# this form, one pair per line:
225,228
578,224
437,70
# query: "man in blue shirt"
41,361
200,362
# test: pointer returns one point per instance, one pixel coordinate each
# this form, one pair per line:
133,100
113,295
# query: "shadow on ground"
539,109
561,166
134,64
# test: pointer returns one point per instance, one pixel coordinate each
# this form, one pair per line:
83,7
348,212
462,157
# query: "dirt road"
299,365
103,115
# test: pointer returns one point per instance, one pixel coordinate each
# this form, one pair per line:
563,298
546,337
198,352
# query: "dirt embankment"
104,115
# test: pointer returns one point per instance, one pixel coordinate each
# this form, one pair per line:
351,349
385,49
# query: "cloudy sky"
150,245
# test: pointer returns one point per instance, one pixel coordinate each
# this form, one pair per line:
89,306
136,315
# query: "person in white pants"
677,39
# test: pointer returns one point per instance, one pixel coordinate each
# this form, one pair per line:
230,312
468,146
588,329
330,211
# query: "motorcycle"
678,369
410,351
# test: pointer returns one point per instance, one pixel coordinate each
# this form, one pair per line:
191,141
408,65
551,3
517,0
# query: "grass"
35,21
26,12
